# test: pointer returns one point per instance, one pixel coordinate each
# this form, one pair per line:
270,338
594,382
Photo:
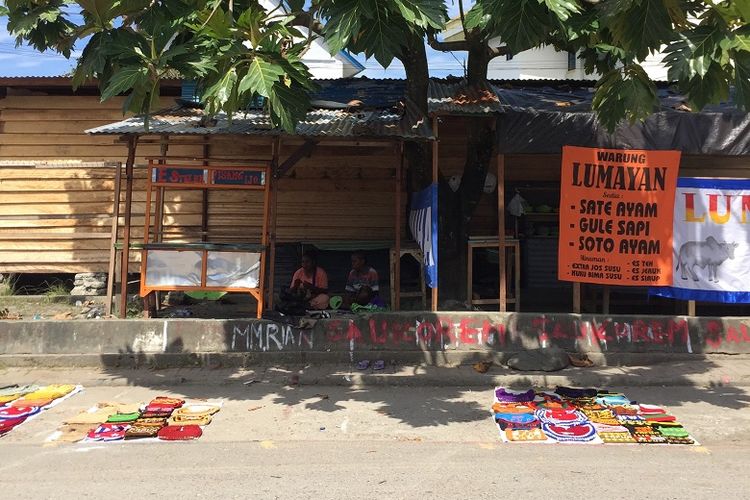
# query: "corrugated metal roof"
361,107
569,96
318,123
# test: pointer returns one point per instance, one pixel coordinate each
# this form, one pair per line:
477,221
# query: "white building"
545,62
318,57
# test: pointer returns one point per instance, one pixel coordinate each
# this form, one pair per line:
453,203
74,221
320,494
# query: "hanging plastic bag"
515,207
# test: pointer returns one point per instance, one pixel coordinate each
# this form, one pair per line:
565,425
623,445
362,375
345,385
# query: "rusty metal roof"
406,123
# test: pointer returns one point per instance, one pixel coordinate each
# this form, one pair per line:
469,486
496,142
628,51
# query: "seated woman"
309,287
362,284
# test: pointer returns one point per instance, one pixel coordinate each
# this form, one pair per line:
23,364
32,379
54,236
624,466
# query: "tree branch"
307,20
446,46
497,51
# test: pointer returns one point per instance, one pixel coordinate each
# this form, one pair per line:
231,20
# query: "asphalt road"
274,441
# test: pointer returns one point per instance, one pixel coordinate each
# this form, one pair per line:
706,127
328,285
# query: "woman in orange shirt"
309,287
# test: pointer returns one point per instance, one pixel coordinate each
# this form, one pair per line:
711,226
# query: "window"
572,59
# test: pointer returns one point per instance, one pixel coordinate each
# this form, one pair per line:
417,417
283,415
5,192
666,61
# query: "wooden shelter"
385,126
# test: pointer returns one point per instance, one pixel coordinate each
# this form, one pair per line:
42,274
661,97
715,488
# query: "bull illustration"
709,253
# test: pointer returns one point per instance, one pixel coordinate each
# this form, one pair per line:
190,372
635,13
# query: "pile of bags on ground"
20,403
163,418
570,415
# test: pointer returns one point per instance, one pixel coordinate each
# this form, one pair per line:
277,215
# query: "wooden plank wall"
56,188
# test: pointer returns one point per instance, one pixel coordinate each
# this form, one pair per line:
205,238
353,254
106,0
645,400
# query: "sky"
25,61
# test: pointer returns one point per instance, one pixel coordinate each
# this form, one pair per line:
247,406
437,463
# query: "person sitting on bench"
362,285
309,287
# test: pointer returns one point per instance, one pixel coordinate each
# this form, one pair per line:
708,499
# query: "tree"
237,52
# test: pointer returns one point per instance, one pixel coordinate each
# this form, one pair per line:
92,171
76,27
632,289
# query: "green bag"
119,418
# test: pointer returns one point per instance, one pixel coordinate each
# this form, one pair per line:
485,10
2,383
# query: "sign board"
234,177
616,209
179,175
209,177
423,223
711,241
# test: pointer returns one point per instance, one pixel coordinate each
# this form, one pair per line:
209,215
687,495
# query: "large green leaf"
221,91
288,106
261,77
563,9
97,10
625,93
424,13
709,88
693,52
125,79
642,28
380,37
742,79
521,24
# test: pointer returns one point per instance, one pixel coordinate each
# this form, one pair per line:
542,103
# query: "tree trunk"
457,209
418,155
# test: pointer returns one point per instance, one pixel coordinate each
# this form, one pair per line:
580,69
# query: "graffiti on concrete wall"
485,331
481,331
269,336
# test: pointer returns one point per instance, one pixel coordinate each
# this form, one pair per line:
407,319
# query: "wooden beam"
691,308
113,241
303,150
397,236
577,298
503,299
125,253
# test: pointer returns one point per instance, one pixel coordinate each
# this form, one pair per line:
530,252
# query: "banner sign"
178,175
711,241
423,223
230,178
616,209
234,177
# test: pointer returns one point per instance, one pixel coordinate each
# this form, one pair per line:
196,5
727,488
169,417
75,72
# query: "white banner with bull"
711,241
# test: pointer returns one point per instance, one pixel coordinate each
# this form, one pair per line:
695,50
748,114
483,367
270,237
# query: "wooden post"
148,312
113,241
159,210
264,242
605,299
397,272
517,273
125,253
275,150
691,308
435,151
501,231
577,298
204,198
